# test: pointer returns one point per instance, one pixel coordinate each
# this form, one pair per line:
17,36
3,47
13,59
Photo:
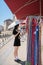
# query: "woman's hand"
19,31
17,34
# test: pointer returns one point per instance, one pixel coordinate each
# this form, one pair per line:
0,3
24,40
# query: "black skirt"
17,42
17,38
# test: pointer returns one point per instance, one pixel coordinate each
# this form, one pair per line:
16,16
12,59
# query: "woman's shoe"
17,60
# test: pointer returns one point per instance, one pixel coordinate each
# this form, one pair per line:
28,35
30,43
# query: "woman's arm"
16,34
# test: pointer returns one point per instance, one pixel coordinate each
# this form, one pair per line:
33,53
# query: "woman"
16,41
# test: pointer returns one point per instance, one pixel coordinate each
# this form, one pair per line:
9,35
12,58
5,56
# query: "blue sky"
5,12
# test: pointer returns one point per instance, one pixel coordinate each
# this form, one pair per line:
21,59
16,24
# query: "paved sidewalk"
6,53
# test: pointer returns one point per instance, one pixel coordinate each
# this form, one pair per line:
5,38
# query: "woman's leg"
16,51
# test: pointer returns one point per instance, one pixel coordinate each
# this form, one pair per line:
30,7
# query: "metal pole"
40,38
40,7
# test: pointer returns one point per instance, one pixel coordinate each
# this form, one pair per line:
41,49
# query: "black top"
15,32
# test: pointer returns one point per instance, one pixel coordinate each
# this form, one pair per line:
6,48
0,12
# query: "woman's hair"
15,28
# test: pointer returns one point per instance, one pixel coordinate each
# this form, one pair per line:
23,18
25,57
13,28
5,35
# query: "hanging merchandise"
36,46
41,31
29,45
34,20
39,44
33,41
27,19
42,43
